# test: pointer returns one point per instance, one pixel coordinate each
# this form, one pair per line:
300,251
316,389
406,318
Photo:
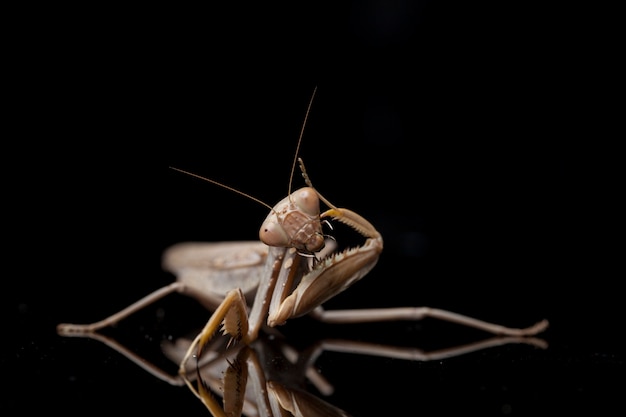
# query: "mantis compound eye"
307,200
294,222
273,234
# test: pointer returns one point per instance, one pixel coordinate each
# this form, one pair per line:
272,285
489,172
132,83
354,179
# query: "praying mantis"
291,271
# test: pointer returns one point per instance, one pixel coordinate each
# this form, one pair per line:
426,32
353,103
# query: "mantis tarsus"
290,272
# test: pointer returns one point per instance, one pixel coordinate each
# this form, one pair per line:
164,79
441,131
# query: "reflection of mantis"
270,378
291,272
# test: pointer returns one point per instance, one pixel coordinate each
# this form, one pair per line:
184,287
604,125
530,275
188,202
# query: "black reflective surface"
470,136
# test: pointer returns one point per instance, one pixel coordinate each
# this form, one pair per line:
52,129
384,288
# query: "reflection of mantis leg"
241,384
418,313
170,350
299,402
132,356
306,360
233,378
414,354
246,388
307,366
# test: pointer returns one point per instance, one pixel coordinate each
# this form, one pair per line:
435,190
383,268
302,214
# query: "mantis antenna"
224,186
299,160
293,167
295,158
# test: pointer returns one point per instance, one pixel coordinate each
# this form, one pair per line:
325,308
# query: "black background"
478,137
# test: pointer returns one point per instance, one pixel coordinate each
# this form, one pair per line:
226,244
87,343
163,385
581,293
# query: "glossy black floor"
470,136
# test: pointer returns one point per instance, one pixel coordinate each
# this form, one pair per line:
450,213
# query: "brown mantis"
292,271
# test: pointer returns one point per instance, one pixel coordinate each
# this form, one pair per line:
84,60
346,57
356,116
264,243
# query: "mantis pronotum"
290,272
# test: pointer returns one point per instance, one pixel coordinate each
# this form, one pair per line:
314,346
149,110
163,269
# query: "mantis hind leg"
69,329
418,313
